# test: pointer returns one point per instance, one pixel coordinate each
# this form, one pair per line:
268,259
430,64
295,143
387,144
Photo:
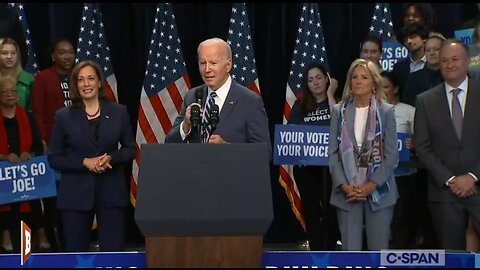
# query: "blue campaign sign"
404,167
392,53
465,35
24,181
301,145
403,151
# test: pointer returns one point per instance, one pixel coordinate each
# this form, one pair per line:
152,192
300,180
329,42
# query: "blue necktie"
207,128
457,115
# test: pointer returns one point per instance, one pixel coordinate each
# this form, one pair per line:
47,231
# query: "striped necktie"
457,115
207,128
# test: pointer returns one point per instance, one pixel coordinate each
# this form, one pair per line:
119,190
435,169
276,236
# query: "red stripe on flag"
286,110
137,153
145,127
133,191
109,92
162,115
254,88
289,185
175,96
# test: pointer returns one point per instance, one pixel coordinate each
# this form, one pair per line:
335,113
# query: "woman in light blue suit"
363,155
84,147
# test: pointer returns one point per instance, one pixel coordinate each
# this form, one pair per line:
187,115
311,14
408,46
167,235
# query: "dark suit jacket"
419,82
72,141
436,142
402,69
242,119
47,98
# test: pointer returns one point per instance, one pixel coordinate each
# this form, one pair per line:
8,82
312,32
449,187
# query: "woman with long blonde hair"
10,65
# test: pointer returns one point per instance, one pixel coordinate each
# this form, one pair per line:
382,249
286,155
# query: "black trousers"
314,184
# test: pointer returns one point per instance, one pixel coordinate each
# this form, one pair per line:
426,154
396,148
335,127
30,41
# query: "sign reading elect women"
24,181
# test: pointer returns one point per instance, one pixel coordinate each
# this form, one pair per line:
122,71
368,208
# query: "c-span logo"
412,258
26,242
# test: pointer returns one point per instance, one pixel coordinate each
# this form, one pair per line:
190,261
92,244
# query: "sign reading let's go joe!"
308,145
24,181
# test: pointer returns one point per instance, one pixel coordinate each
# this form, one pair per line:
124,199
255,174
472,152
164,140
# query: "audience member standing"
363,155
19,141
446,139
50,93
314,182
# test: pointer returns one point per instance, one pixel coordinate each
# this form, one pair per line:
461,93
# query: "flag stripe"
310,47
165,84
145,130
288,183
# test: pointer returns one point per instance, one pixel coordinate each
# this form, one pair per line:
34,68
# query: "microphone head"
214,111
199,95
195,115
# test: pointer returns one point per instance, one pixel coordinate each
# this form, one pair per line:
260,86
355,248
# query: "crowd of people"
365,198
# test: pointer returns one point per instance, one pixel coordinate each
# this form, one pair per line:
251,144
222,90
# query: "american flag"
31,66
92,45
243,70
166,83
309,47
382,25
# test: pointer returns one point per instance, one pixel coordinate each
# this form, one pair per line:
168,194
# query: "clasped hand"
98,164
463,186
358,193
14,158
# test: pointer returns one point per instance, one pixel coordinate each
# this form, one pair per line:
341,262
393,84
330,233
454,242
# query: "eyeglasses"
6,92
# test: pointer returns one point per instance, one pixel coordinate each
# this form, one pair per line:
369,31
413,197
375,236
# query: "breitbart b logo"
26,240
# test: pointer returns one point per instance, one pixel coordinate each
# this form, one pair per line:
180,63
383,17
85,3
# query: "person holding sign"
363,155
314,182
19,141
406,214
84,147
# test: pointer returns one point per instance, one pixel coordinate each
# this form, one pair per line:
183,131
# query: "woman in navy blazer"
84,146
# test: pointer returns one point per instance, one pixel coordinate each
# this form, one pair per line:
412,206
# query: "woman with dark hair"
84,147
49,94
19,141
421,13
314,182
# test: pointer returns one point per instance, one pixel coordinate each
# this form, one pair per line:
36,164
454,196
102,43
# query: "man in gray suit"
242,116
447,130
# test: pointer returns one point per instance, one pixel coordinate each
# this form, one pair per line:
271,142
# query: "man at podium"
221,110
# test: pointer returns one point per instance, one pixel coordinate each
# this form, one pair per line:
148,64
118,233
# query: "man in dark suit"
447,128
242,116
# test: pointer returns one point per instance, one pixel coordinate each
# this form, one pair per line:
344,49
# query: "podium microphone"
195,109
214,117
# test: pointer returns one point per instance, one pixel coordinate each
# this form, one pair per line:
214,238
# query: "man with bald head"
447,132
242,116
